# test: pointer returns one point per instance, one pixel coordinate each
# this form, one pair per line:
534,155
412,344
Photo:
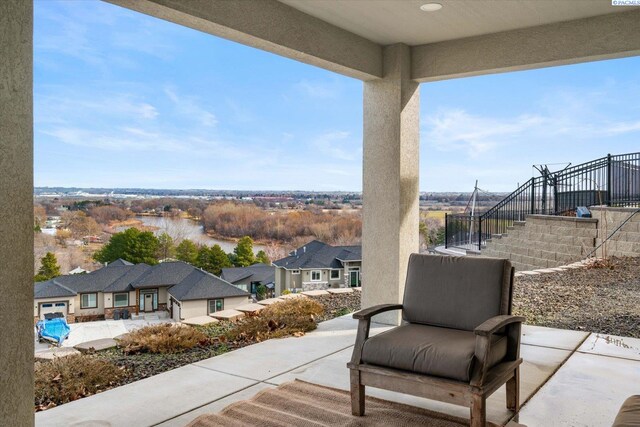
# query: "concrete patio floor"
568,378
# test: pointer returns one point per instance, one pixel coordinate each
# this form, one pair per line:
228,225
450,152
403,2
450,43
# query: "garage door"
53,307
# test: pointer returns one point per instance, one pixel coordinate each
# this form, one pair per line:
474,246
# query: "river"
182,228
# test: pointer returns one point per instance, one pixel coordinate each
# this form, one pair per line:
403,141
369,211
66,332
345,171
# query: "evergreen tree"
131,245
187,251
166,249
219,259
261,257
244,252
213,259
49,268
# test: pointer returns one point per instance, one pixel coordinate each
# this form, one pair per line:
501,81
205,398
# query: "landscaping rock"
199,320
603,300
315,293
55,352
340,290
96,345
231,315
269,301
250,308
290,296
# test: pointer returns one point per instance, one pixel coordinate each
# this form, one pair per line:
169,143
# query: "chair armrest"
368,313
492,325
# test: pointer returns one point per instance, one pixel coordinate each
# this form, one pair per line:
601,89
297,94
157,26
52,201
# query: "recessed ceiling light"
430,7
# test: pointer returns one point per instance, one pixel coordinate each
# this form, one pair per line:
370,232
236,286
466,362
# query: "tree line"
138,246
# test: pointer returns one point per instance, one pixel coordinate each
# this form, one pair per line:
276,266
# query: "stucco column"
390,182
16,213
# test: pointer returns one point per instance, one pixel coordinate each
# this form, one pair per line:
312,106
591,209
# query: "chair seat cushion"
430,350
629,415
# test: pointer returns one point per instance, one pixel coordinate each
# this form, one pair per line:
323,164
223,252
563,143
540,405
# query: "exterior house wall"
89,313
108,304
309,285
199,307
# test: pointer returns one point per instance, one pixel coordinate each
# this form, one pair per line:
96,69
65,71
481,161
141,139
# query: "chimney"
304,249
295,252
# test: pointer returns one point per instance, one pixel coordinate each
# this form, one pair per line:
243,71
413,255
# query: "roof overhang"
465,38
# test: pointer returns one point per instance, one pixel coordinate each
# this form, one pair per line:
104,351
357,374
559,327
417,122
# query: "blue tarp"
54,330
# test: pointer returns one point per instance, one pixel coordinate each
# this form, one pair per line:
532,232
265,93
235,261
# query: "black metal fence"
611,180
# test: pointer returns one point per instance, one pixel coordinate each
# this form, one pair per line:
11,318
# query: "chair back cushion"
456,292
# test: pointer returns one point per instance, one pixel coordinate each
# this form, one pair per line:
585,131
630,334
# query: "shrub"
291,317
162,338
286,292
69,378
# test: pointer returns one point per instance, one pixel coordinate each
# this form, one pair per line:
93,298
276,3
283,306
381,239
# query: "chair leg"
478,411
357,394
513,391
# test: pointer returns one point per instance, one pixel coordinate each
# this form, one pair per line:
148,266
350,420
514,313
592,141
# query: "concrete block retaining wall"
544,241
625,242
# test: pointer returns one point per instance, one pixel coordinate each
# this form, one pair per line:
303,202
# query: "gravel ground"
336,305
603,300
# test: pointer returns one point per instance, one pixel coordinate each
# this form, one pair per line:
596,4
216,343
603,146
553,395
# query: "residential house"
249,278
318,265
176,288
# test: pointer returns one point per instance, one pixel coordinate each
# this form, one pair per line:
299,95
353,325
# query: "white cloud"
337,145
189,107
318,89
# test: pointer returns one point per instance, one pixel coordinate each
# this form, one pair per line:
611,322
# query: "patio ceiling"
392,21
464,38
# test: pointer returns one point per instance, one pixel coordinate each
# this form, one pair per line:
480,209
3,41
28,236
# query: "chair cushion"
430,350
629,415
456,292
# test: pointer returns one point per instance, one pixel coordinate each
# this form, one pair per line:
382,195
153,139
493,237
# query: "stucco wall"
199,307
99,310
16,211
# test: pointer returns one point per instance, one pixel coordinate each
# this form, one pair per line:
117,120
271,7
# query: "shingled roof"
262,273
122,276
51,289
200,284
316,254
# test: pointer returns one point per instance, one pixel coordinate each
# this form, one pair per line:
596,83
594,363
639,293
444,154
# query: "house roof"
51,289
164,274
119,262
316,254
200,284
257,273
131,275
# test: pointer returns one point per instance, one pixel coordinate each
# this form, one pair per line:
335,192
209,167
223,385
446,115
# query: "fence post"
533,197
480,233
609,179
446,235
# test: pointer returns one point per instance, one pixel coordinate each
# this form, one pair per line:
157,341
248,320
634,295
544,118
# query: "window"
335,274
60,304
89,300
47,305
316,275
295,271
216,305
121,300
243,287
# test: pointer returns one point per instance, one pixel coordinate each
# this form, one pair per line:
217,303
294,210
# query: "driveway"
89,331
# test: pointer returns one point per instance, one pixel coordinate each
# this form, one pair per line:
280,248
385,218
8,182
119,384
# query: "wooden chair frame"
473,394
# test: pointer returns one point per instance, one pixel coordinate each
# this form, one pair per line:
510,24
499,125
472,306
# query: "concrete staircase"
544,241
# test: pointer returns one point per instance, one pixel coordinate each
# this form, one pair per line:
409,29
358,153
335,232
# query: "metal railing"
610,180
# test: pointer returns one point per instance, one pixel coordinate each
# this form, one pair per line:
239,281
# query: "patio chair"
458,344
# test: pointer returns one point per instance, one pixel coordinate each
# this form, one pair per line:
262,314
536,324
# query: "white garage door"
53,307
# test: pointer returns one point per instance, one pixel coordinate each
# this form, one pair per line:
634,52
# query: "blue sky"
126,100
